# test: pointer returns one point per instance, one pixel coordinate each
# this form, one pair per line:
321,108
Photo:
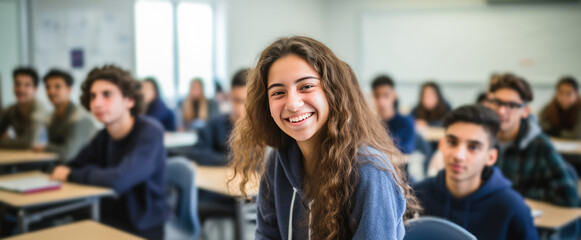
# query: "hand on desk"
38,148
60,173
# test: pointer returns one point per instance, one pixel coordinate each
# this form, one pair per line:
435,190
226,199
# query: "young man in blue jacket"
470,191
127,156
401,128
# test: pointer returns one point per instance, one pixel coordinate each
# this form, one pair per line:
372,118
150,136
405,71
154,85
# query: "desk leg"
22,221
95,210
239,223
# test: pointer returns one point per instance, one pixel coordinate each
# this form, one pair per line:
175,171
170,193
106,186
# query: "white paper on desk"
536,213
29,184
566,146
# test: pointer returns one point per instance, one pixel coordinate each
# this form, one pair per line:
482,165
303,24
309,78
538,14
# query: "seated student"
127,156
155,107
470,191
26,117
196,108
401,128
527,157
432,106
561,117
334,173
212,146
70,127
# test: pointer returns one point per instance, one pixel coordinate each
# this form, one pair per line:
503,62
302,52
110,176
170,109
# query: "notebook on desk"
29,185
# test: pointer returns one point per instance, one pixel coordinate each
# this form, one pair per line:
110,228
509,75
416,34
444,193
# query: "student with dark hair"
212,145
432,106
26,116
470,191
334,173
127,156
154,105
401,128
527,157
562,116
70,127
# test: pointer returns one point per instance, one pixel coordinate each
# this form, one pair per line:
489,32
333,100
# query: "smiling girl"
334,174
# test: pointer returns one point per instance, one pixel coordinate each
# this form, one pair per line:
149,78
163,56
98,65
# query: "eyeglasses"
510,105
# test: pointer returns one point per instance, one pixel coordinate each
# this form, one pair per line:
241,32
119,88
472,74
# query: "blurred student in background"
212,145
127,156
196,108
401,128
432,106
470,191
26,116
562,116
526,155
69,127
154,105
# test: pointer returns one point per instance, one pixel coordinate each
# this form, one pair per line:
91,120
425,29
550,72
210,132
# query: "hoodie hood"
528,131
292,165
494,182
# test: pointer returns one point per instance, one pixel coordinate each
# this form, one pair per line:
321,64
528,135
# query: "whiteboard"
467,44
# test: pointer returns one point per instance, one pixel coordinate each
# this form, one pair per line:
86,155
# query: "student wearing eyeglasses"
526,155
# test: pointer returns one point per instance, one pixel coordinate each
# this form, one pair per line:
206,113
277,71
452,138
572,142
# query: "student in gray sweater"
25,117
69,126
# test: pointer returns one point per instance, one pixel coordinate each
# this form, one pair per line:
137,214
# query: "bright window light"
154,44
195,45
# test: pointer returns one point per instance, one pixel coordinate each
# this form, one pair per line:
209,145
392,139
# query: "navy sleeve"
521,224
267,224
137,166
205,151
379,205
406,135
169,121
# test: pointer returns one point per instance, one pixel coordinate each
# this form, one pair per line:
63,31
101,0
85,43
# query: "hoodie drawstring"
466,214
290,218
447,209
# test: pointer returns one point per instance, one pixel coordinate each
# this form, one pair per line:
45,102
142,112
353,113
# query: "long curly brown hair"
351,125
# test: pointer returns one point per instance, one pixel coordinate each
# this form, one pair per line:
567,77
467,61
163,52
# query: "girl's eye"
306,87
276,93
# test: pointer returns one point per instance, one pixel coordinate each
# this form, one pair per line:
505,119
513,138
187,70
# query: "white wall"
104,30
356,28
253,24
9,48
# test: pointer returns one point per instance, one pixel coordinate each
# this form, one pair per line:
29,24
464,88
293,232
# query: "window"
174,44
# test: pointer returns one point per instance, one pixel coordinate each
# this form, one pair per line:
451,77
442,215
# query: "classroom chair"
183,199
435,229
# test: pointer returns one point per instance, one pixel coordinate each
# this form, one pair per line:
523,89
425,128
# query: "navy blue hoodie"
378,202
135,168
494,211
212,146
159,111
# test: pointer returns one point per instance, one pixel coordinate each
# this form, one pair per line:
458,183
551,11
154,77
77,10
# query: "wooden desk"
566,146
88,230
69,197
179,139
215,179
554,217
10,157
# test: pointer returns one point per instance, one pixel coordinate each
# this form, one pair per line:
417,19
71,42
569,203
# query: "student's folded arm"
77,137
135,167
563,186
379,205
267,223
25,140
